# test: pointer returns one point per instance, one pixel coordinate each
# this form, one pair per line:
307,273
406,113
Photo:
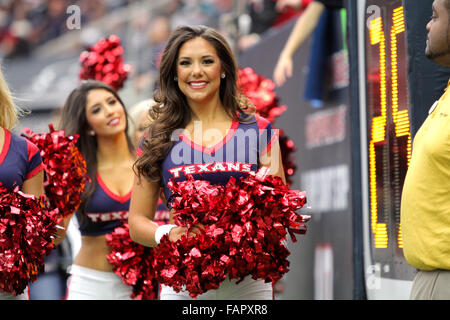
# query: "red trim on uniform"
6,144
116,197
262,123
217,146
31,149
271,142
35,171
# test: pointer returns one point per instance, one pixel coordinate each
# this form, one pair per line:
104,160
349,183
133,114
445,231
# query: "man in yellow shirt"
425,207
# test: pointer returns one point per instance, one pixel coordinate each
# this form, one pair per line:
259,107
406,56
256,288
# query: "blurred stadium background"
40,45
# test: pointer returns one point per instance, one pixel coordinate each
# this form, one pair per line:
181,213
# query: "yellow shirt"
425,205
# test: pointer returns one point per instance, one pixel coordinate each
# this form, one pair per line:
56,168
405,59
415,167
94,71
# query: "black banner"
322,260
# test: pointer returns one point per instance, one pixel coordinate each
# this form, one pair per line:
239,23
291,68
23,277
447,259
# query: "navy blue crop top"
105,211
20,160
236,155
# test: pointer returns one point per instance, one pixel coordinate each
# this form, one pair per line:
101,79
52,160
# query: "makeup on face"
104,112
198,70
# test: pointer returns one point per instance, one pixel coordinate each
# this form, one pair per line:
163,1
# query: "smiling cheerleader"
204,128
96,113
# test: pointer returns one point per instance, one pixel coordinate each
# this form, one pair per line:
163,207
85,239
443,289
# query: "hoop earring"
222,75
91,132
175,78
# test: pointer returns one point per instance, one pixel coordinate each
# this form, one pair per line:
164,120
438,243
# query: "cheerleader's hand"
59,235
61,229
177,232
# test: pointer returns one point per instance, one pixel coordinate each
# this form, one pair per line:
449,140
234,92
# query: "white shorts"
24,296
90,284
248,289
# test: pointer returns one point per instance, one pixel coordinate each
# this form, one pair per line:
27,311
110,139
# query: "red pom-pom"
133,263
193,201
104,62
192,263
27,229
261,93
245,224
64,166
287,149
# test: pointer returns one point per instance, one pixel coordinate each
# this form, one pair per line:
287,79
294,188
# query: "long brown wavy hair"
74,121
172,111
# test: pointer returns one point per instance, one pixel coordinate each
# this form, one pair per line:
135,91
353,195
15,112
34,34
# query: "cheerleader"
20,160
200,127
95,111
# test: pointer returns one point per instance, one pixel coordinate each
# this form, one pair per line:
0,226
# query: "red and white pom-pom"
133,263
27,229
64,166
245,222
104,62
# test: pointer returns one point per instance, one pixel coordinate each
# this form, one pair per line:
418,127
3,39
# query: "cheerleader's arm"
35,184
143,203
272,159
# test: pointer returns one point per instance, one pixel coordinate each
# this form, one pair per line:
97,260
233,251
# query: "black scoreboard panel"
397,86
388,126
393,85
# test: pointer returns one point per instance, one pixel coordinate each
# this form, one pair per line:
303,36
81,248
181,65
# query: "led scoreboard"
387,136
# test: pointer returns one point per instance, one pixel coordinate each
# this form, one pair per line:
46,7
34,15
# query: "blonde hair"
136,111
9,113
